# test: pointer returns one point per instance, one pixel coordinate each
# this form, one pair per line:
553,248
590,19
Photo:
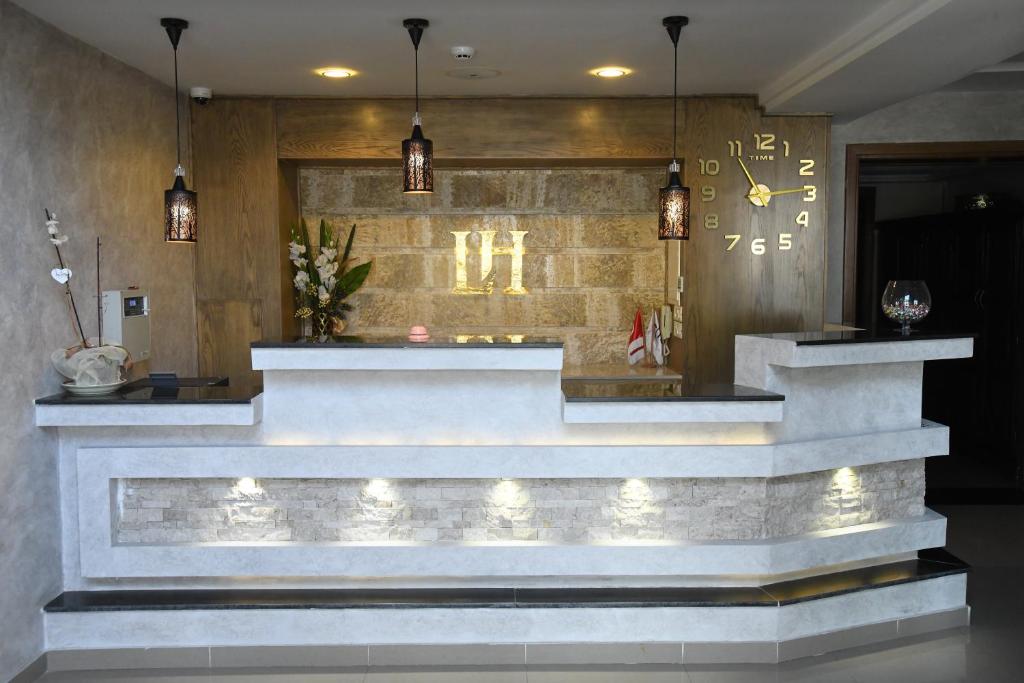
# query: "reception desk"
776,517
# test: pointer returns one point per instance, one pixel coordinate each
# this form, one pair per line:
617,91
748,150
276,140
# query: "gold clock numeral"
785,241
711,221
757,246
708,193
709,166
785,146
733,240
812,193
735,148
807,167
765,141
803,219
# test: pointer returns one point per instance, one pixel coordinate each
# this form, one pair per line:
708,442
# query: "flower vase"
307,327
323,325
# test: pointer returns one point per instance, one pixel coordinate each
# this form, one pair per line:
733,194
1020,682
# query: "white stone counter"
446,466
665,482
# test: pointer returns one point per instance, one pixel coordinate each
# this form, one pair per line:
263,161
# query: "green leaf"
326,235
353,279
348,245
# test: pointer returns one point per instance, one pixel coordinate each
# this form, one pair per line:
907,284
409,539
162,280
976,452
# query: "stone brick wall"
591,253
157,511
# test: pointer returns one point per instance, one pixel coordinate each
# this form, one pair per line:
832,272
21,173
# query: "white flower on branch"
323,295
296,250
301,280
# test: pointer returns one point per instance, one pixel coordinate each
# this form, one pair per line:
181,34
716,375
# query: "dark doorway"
957,224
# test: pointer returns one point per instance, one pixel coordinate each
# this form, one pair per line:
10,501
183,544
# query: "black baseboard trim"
930,564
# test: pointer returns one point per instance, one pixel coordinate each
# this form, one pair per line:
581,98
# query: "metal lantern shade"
417,163
181,213
674,210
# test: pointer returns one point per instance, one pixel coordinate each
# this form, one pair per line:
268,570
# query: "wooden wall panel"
736,292
225,330
238,253
520,128
247,152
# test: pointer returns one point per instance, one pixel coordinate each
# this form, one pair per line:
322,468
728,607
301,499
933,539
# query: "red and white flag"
635,348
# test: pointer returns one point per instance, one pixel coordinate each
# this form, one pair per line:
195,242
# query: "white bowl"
93,390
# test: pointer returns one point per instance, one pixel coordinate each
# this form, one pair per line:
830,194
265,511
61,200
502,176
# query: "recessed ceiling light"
336,72
611,72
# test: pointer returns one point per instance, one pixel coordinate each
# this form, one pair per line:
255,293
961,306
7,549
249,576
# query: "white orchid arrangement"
322,283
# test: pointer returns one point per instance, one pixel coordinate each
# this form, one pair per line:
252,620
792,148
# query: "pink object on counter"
418,333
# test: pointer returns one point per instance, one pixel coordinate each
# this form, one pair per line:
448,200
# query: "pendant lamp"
180,206
674,199
417,151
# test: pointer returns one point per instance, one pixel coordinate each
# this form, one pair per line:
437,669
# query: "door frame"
899,151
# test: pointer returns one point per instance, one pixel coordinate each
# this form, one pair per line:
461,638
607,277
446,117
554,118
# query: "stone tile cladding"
159,511
590,254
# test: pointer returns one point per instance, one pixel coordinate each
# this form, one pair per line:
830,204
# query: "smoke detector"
463,53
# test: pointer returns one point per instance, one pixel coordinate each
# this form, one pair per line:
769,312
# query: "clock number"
733,239
711,221
735,148
708,193
812,193
785,146
765,141
807,167
785,241
803,219
709,167
757,246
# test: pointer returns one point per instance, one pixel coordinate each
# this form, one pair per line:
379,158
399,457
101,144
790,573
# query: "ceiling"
842,56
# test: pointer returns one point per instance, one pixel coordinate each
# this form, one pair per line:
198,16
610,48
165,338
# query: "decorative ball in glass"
906,302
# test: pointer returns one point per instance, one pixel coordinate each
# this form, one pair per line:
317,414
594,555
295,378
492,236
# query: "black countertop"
440,342
149,391
862,336
627,392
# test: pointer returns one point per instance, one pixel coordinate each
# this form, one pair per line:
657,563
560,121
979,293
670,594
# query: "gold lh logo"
487,253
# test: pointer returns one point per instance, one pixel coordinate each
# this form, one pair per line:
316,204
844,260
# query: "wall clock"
738,175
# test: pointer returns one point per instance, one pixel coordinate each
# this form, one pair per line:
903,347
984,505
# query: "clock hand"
753,185
792,191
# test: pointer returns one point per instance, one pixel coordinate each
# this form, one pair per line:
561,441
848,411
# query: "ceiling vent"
473,73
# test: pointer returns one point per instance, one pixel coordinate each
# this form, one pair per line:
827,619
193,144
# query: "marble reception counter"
411,467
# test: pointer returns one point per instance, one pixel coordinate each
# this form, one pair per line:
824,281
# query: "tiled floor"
992,651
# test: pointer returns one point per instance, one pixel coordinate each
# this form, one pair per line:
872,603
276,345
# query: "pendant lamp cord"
675,97
177,108
416,52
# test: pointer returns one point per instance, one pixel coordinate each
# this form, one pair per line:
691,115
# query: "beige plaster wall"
91,138
591,253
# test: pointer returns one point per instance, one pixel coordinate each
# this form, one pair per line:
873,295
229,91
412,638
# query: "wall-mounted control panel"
126,320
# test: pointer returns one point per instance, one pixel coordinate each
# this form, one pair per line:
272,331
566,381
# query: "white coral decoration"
301,280
56,238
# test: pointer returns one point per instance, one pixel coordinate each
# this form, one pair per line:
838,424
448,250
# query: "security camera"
201,95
